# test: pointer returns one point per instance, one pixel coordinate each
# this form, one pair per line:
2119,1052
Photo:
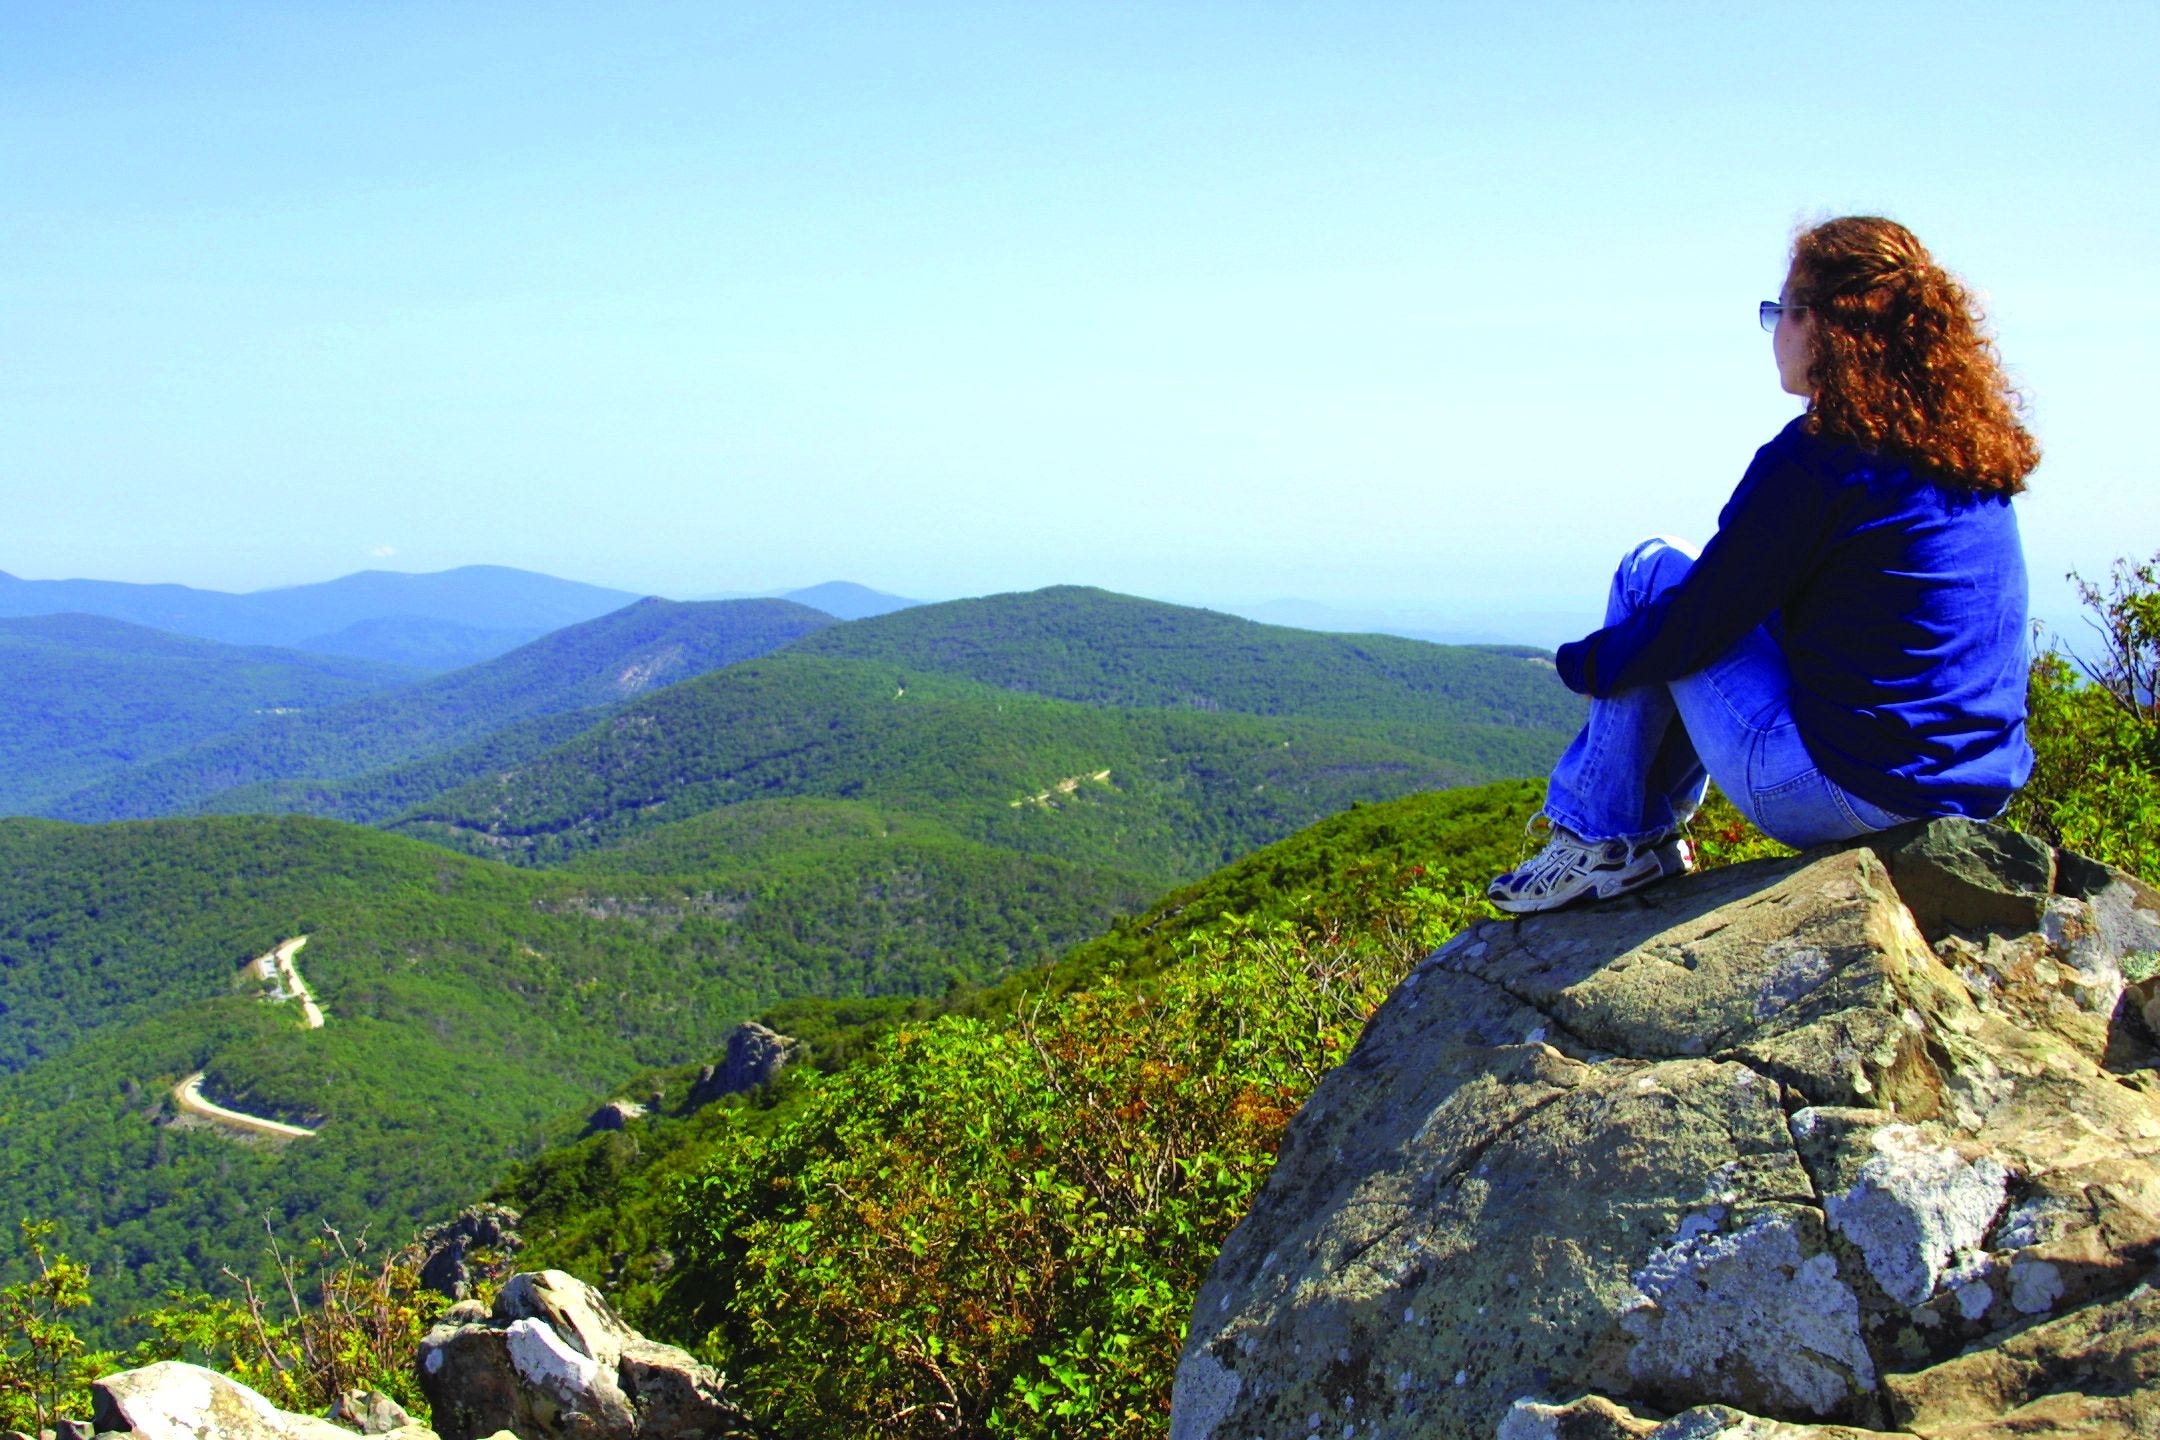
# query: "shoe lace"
1563,852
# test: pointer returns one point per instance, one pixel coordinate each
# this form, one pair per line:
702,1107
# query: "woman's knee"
1652,567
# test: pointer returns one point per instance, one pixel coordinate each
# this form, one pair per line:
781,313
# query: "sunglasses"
1769,311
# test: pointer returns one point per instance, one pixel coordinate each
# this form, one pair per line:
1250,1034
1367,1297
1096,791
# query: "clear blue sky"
1428,306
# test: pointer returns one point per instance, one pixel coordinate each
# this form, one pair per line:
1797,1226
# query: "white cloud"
383,552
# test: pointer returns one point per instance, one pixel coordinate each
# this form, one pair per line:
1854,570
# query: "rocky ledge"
1859,1142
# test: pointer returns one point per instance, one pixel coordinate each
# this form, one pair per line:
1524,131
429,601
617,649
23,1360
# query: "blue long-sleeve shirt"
1899,604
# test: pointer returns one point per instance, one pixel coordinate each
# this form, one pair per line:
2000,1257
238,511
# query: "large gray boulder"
554,1362
1856,1142
172,1400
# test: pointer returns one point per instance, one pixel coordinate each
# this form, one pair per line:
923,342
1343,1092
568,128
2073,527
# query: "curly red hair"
1897,360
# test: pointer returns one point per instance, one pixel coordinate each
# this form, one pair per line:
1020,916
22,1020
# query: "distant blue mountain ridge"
87,695
449,619
401,617
578,668
845,600
440,621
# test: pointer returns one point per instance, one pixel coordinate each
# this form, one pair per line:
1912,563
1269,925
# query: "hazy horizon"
1468,624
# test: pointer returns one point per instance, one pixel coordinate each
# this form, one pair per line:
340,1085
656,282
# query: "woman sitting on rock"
1849,650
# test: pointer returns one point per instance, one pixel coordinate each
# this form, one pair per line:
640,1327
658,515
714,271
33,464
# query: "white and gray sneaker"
1571,868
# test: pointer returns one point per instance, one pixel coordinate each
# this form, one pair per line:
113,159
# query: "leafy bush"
998,1230
44,1367
2095,785
359,1328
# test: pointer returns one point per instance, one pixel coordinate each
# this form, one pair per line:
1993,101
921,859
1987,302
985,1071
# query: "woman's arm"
1770,538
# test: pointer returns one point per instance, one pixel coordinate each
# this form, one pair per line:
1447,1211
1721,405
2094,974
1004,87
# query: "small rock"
615,1115
172,1400
1591,1418
370,1412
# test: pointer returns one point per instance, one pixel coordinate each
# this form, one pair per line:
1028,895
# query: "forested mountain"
421,641
581,668
375,796
1099,648
474,597
88,696
468,1005
1068,721
1166,793
1481,712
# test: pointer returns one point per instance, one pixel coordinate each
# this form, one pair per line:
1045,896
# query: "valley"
591,857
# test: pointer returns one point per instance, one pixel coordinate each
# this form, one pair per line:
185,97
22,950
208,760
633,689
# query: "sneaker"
1571,868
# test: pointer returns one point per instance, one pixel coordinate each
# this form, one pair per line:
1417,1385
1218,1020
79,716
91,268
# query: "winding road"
188,1096
277,970
277,967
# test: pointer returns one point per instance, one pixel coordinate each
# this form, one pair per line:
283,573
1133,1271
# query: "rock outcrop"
1862,1141
469,1246
554,1362
755,1056
172,1400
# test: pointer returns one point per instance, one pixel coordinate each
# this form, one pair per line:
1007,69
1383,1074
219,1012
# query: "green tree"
44,1365
2127,617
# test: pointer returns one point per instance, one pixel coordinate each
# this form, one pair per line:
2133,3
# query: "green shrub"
356,1327
45,1369
1724,836
999,1230
2095,785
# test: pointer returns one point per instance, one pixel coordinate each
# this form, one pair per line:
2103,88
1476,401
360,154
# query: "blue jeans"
1639,768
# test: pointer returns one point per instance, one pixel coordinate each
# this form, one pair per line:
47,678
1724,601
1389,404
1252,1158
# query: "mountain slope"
1068,722
468,1005
382,794
1100,648
596,663
421,641
604,1206
88,696
1163,793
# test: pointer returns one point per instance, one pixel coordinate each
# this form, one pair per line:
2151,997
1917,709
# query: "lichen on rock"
1758,1311
1916,1206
